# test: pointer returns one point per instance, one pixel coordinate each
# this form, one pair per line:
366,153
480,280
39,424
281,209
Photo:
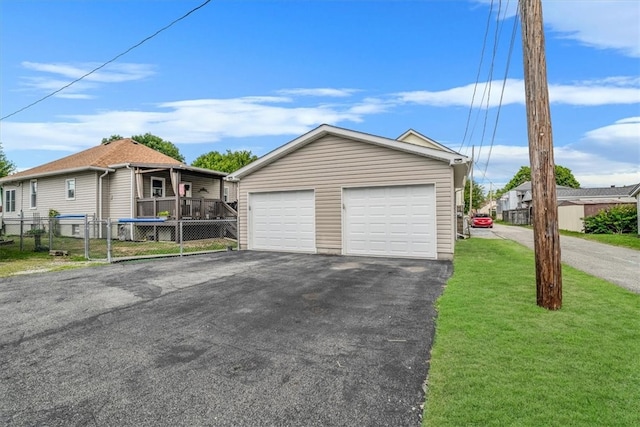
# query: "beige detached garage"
338,191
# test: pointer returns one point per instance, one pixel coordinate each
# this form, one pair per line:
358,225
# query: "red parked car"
482,220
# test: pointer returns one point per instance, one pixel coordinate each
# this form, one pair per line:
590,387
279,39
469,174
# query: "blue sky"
256,74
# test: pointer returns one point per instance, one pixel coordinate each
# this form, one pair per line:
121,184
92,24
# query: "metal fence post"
21,230
109,240
51,225
180,224
86,237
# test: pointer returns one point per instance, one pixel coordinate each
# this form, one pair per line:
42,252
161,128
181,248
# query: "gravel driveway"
227,339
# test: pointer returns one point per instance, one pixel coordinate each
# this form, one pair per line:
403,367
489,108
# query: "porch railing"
188,208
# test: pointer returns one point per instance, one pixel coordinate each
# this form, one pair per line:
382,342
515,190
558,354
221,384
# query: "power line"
496,42
109,61
504,83
475,86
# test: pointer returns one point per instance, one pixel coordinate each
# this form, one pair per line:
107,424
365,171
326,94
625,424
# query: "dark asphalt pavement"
227,339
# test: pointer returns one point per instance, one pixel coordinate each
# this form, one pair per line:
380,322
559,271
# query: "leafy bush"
615,220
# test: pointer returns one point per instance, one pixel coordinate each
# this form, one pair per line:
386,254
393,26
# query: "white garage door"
282,221
397,221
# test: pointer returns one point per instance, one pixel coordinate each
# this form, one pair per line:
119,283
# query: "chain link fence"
116,240
518,216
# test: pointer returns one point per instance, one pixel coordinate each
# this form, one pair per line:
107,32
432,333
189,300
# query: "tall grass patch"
500,360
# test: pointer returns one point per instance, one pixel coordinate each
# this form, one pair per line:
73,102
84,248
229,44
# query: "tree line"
229,161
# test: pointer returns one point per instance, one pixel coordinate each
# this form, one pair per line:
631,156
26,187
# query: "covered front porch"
181,193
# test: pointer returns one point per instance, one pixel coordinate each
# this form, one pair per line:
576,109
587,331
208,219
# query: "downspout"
100,210
100,198
133,199
131,187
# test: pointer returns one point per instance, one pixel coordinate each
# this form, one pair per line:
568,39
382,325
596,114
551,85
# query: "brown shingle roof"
115,152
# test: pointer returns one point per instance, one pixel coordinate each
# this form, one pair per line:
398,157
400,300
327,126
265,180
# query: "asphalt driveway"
236,338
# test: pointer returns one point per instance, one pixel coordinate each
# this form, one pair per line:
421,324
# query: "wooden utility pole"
473,164
470,219
543,181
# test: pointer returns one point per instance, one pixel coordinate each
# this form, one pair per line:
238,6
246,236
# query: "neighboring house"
118,179
338,191
519,198
574,204
489,207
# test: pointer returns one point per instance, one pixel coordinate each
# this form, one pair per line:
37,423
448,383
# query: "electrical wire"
475,86
504,83
108,62
489,86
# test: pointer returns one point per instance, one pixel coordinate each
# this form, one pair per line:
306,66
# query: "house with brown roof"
118,179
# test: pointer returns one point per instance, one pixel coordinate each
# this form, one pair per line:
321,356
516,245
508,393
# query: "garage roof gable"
457,160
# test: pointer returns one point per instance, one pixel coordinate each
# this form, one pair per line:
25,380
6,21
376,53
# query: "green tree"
112,138
478,196
564,177
152,141
6,166
228,162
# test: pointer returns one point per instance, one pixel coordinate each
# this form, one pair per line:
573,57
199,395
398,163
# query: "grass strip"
500,360
631,241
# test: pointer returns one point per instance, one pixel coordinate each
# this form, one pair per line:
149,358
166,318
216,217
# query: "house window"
33,192
71,189
226,194
10,201
157,187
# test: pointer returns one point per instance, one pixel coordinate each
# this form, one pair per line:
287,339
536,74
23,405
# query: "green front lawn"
14,261
499,360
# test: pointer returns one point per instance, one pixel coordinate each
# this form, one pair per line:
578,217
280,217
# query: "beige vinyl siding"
86,200
331,163
233,191
52,194
212,185
118,186
415,139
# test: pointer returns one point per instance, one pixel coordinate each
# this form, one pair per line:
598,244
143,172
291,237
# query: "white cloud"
622,132
57,75
619,141
321,92
506,160
605,156
618,90
592,94
602,24
463,95
370,106
112,73
189,121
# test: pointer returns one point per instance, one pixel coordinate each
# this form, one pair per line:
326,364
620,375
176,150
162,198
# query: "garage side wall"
331,163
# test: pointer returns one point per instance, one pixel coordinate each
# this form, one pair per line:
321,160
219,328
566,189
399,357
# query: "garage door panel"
390,221
282,221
